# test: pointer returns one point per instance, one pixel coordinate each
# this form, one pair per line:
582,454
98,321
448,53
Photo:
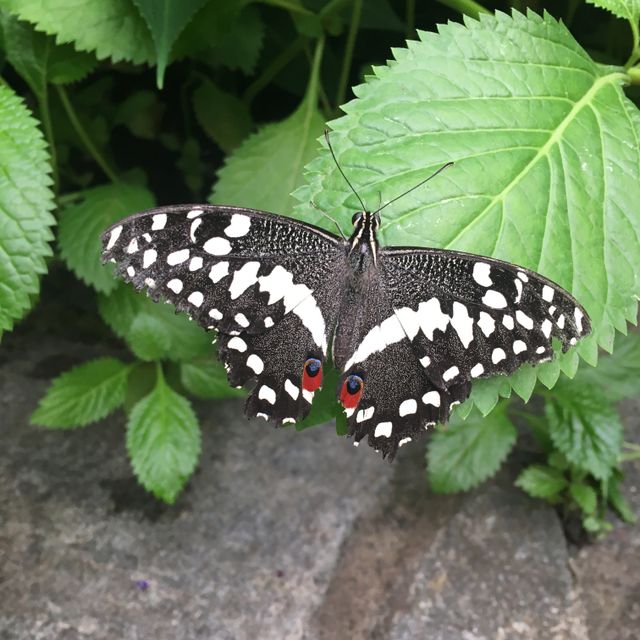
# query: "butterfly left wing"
266,282
452,317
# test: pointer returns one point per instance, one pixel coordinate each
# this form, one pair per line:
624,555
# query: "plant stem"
84,136
348,52
45,115
469,7
634,75
635,52
314,77
273,69
292,7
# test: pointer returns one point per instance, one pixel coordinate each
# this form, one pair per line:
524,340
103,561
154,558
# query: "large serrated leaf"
83,395
166,19
112,28
120,309
25,203
163,440
547,171
268,165
37,58
82,223
464,454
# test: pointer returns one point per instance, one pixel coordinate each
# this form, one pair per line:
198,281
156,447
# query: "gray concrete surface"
281,536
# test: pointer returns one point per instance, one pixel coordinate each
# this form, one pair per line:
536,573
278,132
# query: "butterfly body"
409,329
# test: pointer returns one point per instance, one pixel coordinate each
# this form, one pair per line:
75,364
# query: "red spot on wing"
350,400
311,383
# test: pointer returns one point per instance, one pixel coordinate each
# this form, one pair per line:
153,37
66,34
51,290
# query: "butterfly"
409,329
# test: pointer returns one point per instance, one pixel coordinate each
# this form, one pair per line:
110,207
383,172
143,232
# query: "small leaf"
148,337
166,19
163,440
618,374
464,454
617,499
120,309
540,481
585,427
37,58
82,223
595,524
268,165
112,28
25,203
222,115
207,379
584,496
625,9
83,394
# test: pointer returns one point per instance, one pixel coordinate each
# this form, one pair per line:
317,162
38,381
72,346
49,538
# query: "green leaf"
584,496
558,460
111,28
148,337
83,395
166,19
120,309
544,482
163,440
465,453
619,373
207,379
268,165
82,223
617,499
37,58
585,427
25,203
625,9
224,117
547,171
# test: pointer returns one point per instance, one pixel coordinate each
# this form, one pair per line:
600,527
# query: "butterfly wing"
452,317
262,280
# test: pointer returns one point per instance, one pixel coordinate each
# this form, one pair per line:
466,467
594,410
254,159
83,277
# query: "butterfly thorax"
363,243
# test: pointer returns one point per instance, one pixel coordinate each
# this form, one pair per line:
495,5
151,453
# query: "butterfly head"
363,240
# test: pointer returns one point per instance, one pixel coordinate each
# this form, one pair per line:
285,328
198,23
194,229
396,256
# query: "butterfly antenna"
326,215
326,137
433,175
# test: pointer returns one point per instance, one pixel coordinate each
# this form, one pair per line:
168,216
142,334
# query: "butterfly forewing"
266,282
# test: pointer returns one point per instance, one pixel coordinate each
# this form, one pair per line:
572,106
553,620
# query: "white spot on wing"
175,285
523,276
524,320
518,284
540,350
291,389
150,282
159,222
494,299
431,397
178,257
241,319
113,236
477,370
462,322
519,346
404,441
215,314
194,213
133,246
219,271
239,226
195,298
425,361
131,271
149,258
578,315
408,407
383,430
508,322
217,246
268,322
365,414
498,355
194,225
486,323
237,344
450,373
255,362
482,274
195,263
560,321
245,277
546,328
547,293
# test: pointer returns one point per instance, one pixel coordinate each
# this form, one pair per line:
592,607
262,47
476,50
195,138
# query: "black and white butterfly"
409,329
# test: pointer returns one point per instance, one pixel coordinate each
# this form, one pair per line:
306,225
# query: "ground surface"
282,536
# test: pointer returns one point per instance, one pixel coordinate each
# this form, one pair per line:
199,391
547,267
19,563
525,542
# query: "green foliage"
163,441
462,454
547,175
25,202
166,19
84,394
81,224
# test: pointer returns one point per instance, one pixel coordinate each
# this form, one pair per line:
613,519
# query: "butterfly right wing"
262,280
